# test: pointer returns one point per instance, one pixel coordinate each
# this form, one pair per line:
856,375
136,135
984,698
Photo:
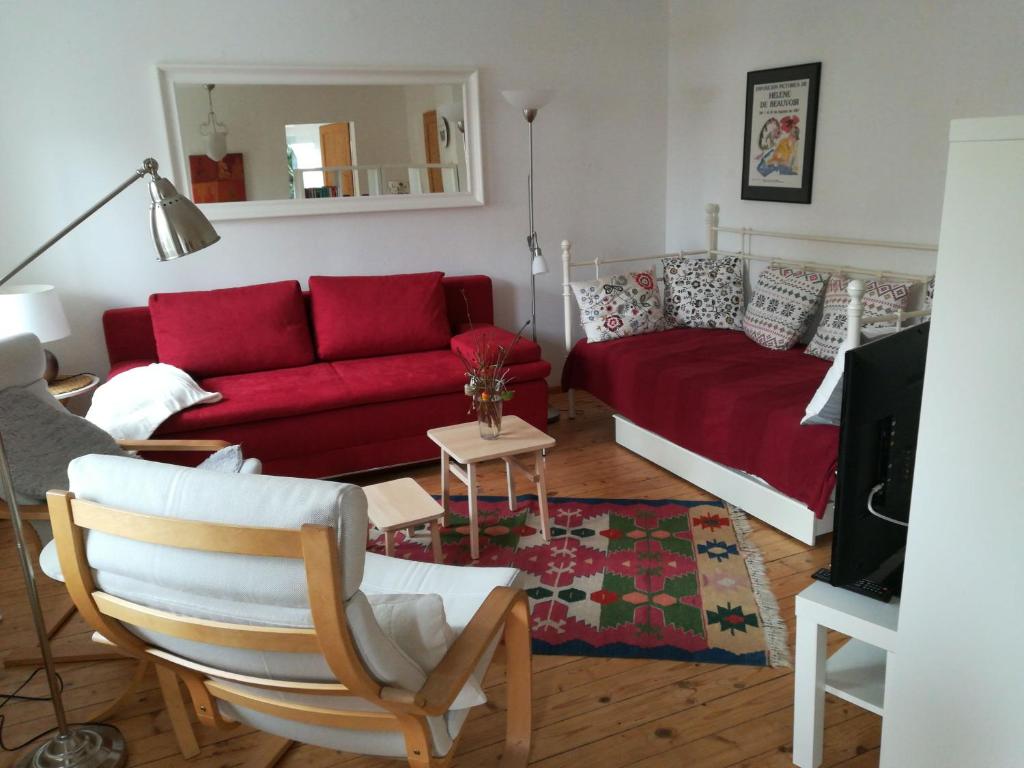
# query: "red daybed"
720,395
302,390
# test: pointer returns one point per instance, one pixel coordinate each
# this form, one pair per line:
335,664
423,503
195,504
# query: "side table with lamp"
178,228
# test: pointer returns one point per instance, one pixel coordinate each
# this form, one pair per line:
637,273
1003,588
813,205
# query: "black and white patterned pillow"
704,293
783,301
619,305
880,298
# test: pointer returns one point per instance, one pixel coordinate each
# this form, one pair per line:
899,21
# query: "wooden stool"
463,443
403,504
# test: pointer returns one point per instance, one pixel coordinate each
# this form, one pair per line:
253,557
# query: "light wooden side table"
84,383
855,673
403,504
463,445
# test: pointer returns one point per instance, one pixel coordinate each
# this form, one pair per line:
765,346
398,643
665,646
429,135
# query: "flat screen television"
882,384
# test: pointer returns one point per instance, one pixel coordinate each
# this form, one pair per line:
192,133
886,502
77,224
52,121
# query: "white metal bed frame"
745,491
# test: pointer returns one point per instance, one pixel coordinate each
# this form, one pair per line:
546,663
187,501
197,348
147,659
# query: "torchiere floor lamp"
530,101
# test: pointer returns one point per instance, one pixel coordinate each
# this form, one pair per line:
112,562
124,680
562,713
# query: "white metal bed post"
567,312
711,221
854,313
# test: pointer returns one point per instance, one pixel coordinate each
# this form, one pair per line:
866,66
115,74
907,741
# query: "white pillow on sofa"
826,407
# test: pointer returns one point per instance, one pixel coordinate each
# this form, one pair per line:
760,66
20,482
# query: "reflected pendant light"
216,133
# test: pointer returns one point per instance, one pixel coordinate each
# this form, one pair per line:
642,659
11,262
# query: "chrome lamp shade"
179,227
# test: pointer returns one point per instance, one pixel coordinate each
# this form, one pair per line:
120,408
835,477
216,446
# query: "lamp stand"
535,252
74,746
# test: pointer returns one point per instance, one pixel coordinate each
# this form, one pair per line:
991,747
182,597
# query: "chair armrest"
488,338
178,446
448,678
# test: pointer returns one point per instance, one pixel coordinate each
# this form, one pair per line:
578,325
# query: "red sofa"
346,377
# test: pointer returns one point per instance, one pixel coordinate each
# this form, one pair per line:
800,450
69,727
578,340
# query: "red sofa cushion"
488,338
232,330
261,395
373,316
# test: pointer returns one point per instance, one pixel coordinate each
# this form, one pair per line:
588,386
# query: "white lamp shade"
528,99
539,265
216,145
32,309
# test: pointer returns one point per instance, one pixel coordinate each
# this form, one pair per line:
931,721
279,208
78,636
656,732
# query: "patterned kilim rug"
628,578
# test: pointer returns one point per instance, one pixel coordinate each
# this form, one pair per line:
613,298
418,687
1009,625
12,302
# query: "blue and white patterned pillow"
619,305
784,300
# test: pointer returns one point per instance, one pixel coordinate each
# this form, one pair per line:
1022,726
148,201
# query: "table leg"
511,485
435,540
474,522
809,694
389,543
445,491
542,494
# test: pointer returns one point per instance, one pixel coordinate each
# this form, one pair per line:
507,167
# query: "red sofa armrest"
467,341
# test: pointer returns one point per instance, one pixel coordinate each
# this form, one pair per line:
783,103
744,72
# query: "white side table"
855,673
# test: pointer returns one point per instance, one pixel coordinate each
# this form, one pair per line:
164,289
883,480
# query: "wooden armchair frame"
41,512
505,611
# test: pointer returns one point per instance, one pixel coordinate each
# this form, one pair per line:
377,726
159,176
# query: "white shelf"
856,673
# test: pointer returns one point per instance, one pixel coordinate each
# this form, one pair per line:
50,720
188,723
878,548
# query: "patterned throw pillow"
929,294
784,300
620,305
704,293
879,298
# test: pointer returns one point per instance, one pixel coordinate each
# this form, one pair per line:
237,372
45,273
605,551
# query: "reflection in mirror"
295,142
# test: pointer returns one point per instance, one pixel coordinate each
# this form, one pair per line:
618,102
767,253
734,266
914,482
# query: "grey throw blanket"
42,440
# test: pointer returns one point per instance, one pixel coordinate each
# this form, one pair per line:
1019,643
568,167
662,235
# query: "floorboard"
602,713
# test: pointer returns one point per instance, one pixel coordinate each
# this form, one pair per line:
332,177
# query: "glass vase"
488,417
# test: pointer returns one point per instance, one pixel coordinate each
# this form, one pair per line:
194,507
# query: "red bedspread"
720,395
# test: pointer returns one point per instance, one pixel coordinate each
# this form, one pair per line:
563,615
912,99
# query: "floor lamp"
530,102
178,228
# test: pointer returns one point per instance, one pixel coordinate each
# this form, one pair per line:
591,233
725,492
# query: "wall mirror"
249,142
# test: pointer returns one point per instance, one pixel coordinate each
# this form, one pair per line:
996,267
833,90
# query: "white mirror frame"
172,74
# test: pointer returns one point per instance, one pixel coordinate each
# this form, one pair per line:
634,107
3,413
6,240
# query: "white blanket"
133,404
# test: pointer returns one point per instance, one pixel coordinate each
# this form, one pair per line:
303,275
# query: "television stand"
865,587
855,673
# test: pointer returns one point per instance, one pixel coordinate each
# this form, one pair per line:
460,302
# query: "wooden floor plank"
600,713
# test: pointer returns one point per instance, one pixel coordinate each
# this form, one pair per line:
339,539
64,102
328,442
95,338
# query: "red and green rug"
628,578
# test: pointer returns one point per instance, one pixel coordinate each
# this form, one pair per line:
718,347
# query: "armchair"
313,650
23,365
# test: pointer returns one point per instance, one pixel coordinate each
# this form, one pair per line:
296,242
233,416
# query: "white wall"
954,688
81,109
893,75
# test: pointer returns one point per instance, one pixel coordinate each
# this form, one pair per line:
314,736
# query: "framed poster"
778,138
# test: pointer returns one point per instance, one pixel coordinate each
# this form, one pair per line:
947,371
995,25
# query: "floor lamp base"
84,746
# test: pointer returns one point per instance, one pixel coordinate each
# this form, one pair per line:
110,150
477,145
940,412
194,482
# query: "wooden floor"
600,713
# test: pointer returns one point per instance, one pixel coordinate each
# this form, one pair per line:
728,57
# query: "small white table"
463,443
855,673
